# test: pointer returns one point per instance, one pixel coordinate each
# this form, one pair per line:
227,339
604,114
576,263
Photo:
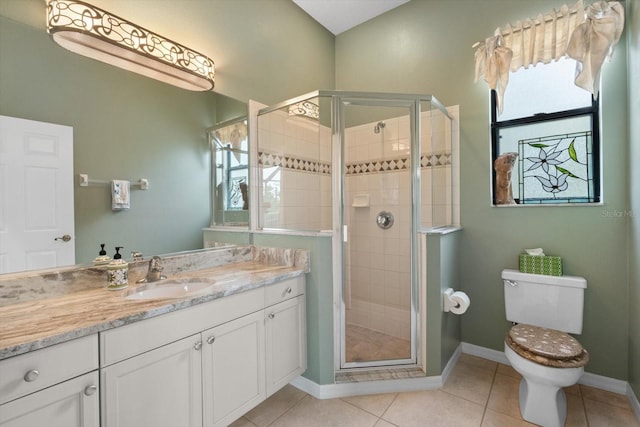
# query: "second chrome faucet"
155,271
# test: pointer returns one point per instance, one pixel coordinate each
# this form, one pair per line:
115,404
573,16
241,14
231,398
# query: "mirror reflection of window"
230,173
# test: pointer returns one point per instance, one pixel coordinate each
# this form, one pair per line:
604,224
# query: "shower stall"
376,170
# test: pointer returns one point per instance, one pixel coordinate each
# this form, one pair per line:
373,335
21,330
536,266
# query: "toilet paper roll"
460,302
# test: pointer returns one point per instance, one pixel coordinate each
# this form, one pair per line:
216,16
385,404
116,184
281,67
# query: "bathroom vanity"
201,360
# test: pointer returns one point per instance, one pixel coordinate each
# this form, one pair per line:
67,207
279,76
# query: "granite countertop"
32,325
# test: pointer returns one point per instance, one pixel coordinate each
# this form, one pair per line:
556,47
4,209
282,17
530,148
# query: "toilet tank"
554,302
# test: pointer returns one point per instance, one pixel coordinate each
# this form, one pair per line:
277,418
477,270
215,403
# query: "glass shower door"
378,282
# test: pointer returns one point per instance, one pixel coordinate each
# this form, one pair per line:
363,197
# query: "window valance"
588,36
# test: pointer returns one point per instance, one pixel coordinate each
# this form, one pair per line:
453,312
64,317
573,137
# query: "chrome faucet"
155,271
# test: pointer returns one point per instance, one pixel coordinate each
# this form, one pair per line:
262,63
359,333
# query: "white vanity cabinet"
205,365
234,369
55,387
285,333
161,387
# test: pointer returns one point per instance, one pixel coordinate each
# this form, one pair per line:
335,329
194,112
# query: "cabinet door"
233,369
73,403
160,388
285,330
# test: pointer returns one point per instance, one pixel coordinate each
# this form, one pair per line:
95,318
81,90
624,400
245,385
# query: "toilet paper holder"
455,302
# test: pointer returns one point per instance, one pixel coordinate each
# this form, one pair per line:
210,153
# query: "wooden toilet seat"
547,347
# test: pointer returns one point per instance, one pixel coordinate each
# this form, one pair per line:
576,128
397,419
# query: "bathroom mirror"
125,126
230,173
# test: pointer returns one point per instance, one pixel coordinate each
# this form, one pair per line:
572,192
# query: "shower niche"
376,170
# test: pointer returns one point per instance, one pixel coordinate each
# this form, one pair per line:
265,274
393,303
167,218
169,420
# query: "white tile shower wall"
296,158
379,260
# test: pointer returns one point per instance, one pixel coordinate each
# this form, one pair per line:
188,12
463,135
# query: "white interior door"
36,195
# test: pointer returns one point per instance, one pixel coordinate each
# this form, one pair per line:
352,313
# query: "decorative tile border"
355,168
402,163
290,162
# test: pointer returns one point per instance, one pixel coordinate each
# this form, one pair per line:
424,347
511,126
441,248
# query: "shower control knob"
384,220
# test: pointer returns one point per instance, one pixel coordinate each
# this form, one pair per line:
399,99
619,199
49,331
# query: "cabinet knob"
90,390
198,345
211,339
288,291
271,315
31,376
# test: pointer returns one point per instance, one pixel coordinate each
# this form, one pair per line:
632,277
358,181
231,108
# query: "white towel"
120,194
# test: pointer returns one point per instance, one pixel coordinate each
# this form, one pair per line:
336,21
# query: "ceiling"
340,15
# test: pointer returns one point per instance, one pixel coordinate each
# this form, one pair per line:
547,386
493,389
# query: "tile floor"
478,393
363,345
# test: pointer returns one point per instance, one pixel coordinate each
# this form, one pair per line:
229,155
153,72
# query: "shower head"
379,125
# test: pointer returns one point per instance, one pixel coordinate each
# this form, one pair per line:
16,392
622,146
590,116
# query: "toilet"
545,309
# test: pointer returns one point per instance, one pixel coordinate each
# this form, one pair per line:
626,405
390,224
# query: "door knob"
64,238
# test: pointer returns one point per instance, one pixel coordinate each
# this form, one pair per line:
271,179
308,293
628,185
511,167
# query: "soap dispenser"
102,257
117,272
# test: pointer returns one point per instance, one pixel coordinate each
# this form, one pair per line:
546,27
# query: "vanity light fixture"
90,31
305,109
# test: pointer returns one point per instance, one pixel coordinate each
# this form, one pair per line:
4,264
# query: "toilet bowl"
538,346
545,371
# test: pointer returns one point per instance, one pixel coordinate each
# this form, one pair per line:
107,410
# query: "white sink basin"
178,288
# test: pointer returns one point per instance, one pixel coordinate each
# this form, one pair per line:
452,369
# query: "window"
549,131
229,173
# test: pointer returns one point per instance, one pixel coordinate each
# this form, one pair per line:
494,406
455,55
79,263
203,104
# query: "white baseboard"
634,401
485,353
331,391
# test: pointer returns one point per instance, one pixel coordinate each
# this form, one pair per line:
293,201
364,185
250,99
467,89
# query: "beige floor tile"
478,362
600,414
574,389
383,423
470,382
276,405
504,396
375,403
604,396
364,344
242,422
311,412
496,419
508,370
576,416
434,408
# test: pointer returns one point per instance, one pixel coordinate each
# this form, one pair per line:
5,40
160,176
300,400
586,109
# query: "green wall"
633,20
443,330
319,294
418,48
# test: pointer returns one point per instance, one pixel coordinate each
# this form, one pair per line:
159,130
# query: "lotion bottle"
117,272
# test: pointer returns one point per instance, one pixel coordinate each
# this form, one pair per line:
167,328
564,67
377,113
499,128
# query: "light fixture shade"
89,31
306,108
